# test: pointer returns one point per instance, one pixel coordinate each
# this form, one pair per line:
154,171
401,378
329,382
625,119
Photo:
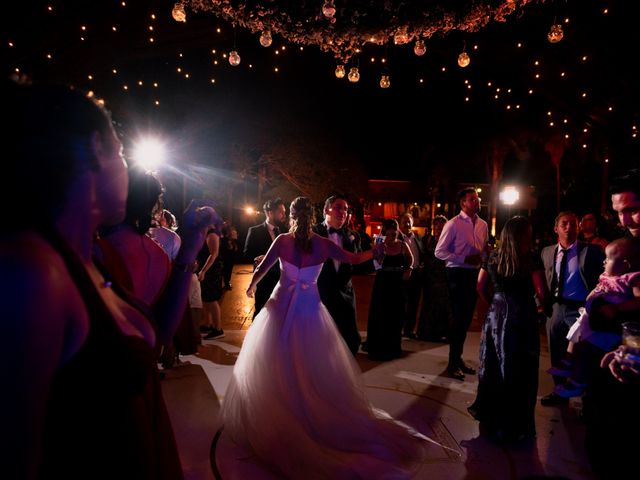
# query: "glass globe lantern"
463,59
265,39
178,13
385,82
354,75
234,58
555,33
340,71
419,48
328,9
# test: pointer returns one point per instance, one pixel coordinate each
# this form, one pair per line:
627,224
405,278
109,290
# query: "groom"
334,282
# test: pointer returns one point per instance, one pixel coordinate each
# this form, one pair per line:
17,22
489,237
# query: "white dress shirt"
337,239
460,238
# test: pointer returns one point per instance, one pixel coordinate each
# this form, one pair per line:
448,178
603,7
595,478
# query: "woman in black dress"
510,281
388,298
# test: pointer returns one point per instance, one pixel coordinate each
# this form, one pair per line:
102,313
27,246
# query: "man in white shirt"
462,244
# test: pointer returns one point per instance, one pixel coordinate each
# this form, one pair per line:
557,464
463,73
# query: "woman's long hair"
302,218
515,246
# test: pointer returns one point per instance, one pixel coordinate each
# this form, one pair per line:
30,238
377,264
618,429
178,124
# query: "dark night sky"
407,131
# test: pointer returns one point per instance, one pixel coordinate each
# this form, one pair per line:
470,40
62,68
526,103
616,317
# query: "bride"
296,400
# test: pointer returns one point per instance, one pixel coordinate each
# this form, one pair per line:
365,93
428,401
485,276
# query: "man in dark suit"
413,286
572,269
259,239
334,282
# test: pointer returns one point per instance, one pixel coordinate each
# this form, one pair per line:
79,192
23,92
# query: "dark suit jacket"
590,258
336,289
257,243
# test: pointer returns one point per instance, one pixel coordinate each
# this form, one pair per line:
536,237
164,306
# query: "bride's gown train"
296,399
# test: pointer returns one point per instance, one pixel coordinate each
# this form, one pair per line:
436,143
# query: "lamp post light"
509,196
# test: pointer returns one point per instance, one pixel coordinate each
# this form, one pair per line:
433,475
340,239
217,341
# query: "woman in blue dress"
510,281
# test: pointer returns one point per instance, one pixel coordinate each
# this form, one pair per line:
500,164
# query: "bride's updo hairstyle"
302,216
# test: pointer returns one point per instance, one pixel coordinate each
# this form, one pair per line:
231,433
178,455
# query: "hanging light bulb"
265,39
178,13
463,59
234,58
419,48
340,72
385,82
555,33
401,37
354,75
328,9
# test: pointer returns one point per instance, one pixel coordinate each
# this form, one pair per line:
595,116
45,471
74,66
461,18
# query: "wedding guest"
462,244
619,282
259,239
229,250
589,231
210,277
510,342
413,285
130,256
71,407
165,233
295,403
334,283
572,269
610,406
435,314
387,310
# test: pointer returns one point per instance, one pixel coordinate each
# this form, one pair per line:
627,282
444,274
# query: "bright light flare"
509,195
149,153
249,210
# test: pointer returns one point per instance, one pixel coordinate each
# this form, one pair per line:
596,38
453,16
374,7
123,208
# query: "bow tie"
339,231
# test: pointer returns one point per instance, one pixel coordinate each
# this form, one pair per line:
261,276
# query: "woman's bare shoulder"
34,270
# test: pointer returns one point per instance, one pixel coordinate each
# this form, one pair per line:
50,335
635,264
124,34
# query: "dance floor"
413,388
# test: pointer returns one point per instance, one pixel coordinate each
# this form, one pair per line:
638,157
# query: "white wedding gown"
296,400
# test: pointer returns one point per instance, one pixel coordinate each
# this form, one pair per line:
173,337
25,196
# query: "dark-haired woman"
510,342
388,297
296,401
81,398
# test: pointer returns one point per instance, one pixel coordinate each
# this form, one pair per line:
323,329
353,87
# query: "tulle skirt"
296,400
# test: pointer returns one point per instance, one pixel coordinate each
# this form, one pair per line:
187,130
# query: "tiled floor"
413,389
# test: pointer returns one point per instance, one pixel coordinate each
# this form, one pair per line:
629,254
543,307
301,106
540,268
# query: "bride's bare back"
322,248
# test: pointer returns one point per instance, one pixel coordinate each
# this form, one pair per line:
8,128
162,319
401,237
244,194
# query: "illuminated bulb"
463,59
419,48
401,37
340,72
234,58
328,9
385,82
354,75
178,13
265,39
555,33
